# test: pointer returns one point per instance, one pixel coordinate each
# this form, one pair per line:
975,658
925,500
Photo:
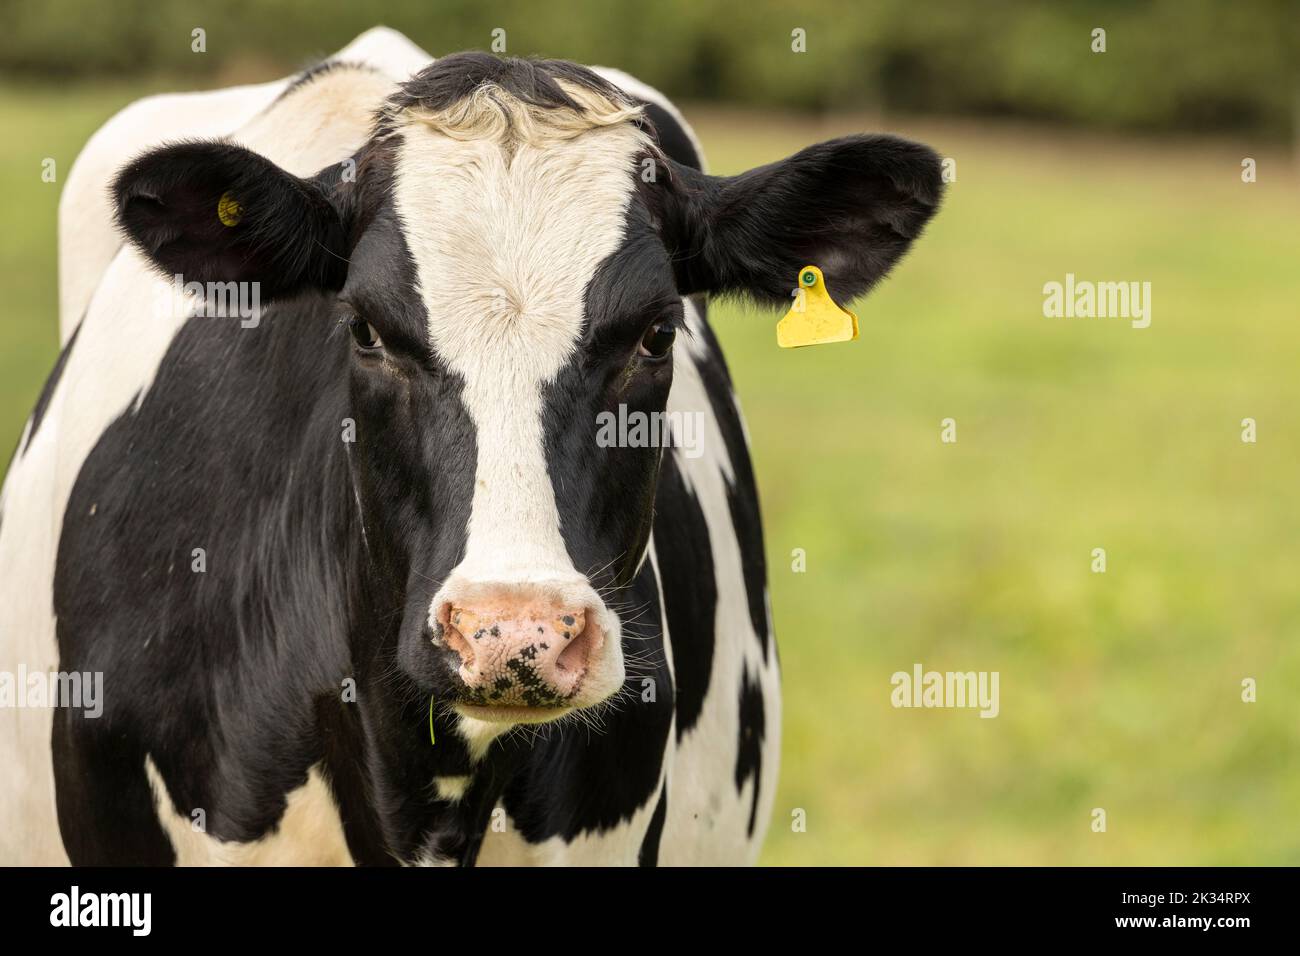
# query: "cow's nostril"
453,638
578,647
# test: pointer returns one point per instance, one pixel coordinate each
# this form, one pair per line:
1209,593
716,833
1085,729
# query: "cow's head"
508,255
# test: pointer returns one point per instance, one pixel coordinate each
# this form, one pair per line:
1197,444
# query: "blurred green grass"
1119,691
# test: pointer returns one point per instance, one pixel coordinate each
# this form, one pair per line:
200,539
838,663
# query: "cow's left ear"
216,212
850,206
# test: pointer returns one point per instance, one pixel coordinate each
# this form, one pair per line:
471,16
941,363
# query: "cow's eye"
658,339
364,333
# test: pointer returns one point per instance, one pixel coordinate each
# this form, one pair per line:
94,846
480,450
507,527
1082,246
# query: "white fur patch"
310,832
478,734
452,789
505,238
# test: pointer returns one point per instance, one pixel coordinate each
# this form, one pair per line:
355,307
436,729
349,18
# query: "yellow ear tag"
815,319
229,211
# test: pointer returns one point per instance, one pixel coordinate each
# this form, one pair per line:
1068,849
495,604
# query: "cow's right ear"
215,212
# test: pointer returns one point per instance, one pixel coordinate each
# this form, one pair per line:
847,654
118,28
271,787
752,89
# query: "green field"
1119,690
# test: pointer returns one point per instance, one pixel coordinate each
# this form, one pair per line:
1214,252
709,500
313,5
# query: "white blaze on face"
505,235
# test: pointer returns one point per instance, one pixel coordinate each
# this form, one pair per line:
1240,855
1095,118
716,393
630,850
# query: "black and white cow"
361,582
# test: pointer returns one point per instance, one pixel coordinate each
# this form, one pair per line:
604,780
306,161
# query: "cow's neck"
402,790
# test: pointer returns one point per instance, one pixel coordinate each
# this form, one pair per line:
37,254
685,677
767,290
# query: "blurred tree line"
1190,65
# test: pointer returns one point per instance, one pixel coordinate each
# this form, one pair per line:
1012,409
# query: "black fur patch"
690,590
749,756
649,854
447,81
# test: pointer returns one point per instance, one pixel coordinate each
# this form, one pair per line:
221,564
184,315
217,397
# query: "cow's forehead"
505,233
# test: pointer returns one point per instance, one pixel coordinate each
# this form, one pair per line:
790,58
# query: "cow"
359,581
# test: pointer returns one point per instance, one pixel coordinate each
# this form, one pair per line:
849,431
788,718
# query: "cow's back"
88,237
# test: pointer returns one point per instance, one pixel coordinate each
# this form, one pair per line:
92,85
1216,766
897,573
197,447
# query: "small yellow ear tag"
228,210
815,319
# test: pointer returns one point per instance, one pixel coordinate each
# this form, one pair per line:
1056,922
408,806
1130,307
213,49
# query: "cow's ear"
850,206
215,212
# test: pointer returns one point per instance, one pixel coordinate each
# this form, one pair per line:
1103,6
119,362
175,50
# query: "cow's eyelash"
679,324
674,318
